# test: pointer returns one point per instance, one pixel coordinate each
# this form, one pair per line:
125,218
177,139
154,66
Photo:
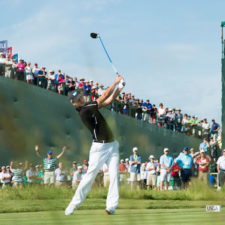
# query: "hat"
126,159
224,150
3,167
84,161
202,150
101,85
35,64
20,164
179,109
90,80
121,160
51,71
7,167
79,167
135,149
82,79
186,149
49,152
37,166
166,150
151,157
74,162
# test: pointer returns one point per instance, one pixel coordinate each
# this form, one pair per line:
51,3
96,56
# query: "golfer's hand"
36,148
64,148
118,79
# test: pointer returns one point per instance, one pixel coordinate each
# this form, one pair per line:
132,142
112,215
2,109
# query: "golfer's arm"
111,98
106,94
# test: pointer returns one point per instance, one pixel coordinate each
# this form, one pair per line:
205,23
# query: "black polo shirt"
95,122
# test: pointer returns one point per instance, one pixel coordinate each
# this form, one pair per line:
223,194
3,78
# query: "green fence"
31,115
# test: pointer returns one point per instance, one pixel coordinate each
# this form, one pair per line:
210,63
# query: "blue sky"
168,51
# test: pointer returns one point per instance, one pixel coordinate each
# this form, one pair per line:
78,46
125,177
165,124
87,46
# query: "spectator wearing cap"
81,84
204,145
203,167
106,180
146,109
151,168
29,74
18,174
77,177
49,165
221,170
87,91
215,127
135,166
35,71
166,163
185,162
51,85
100,90
60,176
178,121
31,175
73,169
170,118
122,171
5,177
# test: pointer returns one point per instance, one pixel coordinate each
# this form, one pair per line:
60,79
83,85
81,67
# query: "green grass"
39,205
122,217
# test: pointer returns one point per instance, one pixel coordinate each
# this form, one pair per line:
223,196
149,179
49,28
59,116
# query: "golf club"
95,36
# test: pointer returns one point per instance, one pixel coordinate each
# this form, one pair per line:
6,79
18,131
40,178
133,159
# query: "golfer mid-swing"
104,148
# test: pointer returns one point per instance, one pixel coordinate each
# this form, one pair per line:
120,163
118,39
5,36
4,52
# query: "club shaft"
110,60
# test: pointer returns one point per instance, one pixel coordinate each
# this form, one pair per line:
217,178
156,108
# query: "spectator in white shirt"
161,113
151,168
5,177
29,74
60,175
100,90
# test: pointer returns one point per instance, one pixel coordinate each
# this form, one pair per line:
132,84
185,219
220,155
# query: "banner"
9,51
4,46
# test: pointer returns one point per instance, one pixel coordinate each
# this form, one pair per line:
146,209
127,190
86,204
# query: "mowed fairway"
123,216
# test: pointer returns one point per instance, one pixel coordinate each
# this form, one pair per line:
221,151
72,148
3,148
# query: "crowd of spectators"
126,104
165,172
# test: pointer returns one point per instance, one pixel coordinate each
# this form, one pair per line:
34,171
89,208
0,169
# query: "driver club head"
94,35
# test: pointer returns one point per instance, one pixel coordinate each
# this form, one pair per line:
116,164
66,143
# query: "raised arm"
61,154
11,166
37,151
108,91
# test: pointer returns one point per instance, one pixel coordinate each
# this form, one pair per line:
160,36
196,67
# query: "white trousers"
101,153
